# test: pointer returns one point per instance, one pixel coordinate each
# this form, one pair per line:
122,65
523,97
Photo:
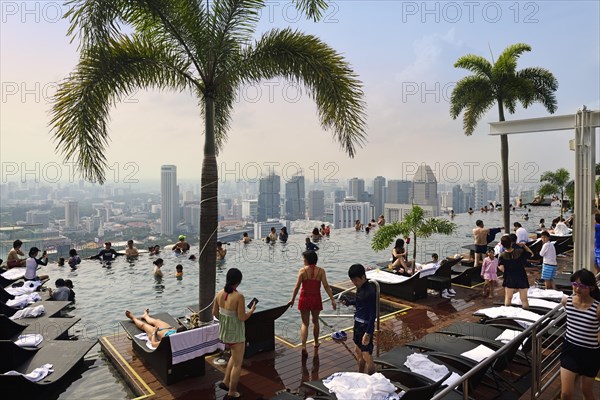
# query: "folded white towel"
479,353
422,365
29,312
14,273
30,340
144,336
195,343
36,375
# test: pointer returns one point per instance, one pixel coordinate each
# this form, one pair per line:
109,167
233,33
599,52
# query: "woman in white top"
31,265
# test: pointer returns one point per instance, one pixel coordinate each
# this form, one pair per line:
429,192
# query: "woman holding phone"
229,309
31,265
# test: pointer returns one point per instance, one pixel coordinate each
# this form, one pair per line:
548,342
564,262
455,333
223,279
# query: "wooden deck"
266,374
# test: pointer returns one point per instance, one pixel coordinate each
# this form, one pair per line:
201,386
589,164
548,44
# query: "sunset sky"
403,52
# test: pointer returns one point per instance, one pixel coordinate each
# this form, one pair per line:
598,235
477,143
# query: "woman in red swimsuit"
310,277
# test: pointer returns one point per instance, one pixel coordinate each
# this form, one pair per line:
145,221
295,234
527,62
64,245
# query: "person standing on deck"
364,318
522,235
549,264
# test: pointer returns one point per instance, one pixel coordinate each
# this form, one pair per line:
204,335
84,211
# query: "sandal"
222,385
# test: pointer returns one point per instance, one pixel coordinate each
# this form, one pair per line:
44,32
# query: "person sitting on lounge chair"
155,328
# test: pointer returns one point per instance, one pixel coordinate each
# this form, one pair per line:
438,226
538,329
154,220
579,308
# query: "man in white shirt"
549,264
522,235
561,228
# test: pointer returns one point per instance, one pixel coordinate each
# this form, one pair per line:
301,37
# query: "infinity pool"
103,293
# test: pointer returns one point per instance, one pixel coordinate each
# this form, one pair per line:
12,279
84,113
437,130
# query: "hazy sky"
404,53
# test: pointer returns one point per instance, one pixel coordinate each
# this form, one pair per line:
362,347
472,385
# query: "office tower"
71,214
469,195
458,200
316,204
379,195
268,197
295,203
481,193
398,192
250,209
347,212
356,188
339,195
424,189
169,199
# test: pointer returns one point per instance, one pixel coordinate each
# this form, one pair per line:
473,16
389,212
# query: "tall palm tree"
414,223
208,50
556,183
500,83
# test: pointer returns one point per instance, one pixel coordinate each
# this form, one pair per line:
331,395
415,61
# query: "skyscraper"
378,194
71,214
268,197
316,204
356,188
424,189
347,212
295,198
398,192
169,199
458,200
481,193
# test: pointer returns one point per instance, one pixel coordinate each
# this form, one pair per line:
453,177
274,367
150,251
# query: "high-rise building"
469,195
169,199
458,200
379,195
316,204
339,195
398,192
356,188
250,209
481,193
71,214
346,213
269,197
424,189
295,203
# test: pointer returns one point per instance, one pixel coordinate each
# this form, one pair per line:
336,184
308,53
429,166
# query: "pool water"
103,293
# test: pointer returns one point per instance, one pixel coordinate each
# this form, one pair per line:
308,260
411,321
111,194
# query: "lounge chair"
50,328
442,278
414,386
402,287
51,308
260,329
64,355
466,276
161,358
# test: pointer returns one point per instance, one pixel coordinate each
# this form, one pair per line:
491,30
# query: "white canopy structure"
584,122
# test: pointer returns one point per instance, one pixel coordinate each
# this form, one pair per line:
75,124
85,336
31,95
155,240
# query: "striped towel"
195,343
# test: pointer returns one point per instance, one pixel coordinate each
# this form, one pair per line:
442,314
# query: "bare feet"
146,313
128,314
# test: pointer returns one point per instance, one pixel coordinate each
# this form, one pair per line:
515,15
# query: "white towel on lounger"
354,385
421,364
144,336
14,273
28,287
29,312
36,375
30,340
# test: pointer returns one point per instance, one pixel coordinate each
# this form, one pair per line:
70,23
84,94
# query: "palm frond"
331,82
543,87
467,88
476,64
312,8
104,75
507,61
385,235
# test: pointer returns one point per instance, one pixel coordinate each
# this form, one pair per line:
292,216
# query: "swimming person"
155,328
182,246
106,254
310,278
364,317
74,259
283,234
245,238
230,309
580,353
310,245
179,272
131,250
221,252
158,263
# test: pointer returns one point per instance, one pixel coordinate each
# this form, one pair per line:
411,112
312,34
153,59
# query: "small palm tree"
500,83
556,183
206,49
413,224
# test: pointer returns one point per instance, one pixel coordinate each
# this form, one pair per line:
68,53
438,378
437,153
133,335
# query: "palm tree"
207,50
556,182
414,223
500,83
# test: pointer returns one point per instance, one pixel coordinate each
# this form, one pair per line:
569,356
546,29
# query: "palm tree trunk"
414,252
208,216
505,181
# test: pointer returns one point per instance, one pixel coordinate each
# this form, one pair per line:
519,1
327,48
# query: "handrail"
531,330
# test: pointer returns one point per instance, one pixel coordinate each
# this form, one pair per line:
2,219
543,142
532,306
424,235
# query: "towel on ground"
14,273
29,340
195,343
28,287
385,277
355,385
479,353
510,312
144,336
24,300
544,293
541,303
29,312
36,375
420,364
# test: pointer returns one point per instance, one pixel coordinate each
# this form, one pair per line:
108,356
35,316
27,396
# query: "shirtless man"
13,260
221,252
480,235
182,246
131,250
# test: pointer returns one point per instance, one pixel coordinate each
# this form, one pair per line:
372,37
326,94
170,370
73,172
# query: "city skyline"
404,55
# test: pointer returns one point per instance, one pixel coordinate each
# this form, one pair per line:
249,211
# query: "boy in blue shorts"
548,252
364,317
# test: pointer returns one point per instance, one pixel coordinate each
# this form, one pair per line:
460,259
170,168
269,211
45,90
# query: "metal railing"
544,355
